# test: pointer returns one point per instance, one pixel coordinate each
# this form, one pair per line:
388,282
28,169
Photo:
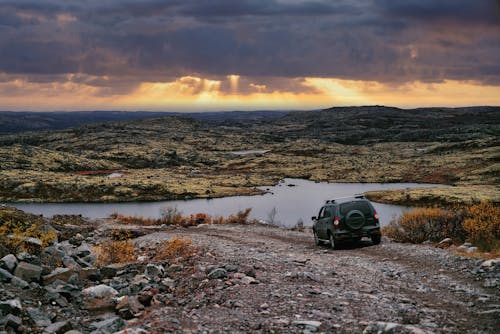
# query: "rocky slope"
245,279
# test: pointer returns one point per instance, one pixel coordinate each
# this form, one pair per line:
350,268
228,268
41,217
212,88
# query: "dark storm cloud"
383,40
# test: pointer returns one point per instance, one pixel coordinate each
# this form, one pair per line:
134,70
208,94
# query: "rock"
248,280
73,331
28,272
20,283
11,321
70,263
110,325
490,263
445,243
11,306
34,245
132,331
309,325
99,298
5,276
471,250
83,250
111,270
129,307
40,318
232,268
90,273
154,271
167,284
62,274
218,273
9,262
58,327
381,327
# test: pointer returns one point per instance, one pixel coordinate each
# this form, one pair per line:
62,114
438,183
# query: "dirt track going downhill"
262,279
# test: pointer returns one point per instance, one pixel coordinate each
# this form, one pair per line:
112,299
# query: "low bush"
482,225
176,249
15,234
478,223
419,225
117,249
170,216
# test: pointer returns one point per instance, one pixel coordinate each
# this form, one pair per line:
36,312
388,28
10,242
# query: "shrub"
419,225
13,235
176,249
482,225
115,252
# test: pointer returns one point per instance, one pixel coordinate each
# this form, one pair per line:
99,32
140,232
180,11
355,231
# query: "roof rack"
360,196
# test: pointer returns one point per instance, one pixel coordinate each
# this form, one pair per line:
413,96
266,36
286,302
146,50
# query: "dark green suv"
346,219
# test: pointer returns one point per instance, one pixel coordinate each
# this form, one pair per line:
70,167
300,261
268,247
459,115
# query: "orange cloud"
192,93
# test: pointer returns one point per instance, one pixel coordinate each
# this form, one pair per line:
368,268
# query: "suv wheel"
376,239
316,239
331,241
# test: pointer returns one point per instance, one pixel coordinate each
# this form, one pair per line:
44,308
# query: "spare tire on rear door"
355,219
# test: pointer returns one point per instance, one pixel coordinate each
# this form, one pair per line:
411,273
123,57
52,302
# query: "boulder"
129,307
308,325
5,276
154,272
110,325
40,318
99,299
20,283
11,321
62,274
28,272
218,273
445,243
58,327
11,306
70,263
33,245
381,327
9,262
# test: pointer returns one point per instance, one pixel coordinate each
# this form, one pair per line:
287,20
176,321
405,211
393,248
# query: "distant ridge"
22,121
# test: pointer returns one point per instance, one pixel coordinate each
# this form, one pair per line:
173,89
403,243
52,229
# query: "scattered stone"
110,325
218,273
9,262
28,272
132,331
471,250
100,298
381,327
154,271
11,306
11,321
111,270
90,273
445,243
58,327
129,307
33,244
70,263
40,318
83,250
309,325
5,276
490,263
20,283
248,280
62,274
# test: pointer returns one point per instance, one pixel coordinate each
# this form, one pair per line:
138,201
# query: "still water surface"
291,203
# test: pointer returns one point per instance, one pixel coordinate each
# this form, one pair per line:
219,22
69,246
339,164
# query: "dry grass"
117,249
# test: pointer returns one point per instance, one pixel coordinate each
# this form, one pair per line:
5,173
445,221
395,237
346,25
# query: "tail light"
336,221
375,214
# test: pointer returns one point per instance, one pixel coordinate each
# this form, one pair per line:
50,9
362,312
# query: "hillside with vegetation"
176,157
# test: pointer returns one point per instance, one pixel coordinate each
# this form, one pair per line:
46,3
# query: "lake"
292,200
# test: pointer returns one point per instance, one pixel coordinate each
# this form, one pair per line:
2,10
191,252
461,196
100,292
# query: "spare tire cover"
355,219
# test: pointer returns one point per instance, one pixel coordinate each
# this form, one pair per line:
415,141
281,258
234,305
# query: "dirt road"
264,279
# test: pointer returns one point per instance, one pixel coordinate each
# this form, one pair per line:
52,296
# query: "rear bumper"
364,232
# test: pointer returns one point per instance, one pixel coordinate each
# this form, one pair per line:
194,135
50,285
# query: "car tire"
331,241
317,242
376,239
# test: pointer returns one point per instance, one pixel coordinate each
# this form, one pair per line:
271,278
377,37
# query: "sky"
194,55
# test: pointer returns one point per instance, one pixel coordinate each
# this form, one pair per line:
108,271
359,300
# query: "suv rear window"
357,205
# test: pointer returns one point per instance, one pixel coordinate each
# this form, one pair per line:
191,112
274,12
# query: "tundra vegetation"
177,158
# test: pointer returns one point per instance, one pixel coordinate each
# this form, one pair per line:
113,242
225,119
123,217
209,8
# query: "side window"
325,212
321,212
